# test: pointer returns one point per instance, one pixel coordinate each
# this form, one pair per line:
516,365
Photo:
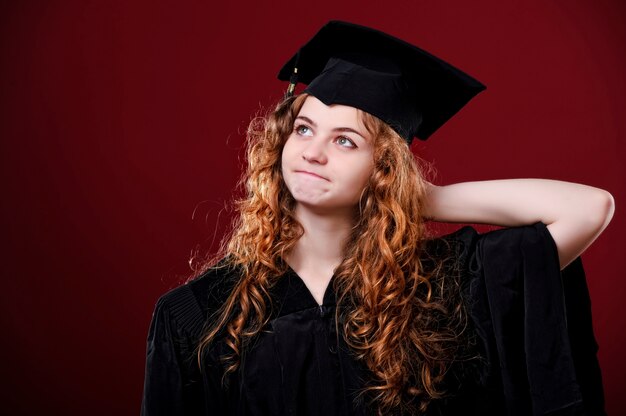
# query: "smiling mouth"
315,175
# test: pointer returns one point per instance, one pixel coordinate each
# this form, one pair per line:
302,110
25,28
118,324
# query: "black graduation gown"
532,323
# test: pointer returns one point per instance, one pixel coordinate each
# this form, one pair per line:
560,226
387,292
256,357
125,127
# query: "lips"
306,172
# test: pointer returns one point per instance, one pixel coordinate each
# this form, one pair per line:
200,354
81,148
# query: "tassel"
292,83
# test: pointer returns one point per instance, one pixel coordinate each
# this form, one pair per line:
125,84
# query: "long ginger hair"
402,321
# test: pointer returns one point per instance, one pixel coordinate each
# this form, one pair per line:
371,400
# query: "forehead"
332,116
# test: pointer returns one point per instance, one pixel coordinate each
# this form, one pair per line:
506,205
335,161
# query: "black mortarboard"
408,88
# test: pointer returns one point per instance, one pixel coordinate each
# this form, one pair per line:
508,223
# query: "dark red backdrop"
120,119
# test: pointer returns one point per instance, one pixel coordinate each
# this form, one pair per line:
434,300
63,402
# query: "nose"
315,152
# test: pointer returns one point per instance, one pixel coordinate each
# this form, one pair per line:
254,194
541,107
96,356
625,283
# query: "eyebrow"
341,129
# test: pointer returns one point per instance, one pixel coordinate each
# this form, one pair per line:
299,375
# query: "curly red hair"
403,321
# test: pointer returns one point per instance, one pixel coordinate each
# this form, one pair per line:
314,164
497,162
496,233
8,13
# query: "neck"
324,238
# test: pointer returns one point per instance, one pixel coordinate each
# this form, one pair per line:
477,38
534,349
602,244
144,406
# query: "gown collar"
290,294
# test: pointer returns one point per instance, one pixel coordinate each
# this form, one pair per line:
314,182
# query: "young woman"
331,299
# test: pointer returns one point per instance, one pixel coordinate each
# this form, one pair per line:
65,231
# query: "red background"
120,136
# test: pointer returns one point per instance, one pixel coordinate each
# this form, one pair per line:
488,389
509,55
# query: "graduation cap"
406,87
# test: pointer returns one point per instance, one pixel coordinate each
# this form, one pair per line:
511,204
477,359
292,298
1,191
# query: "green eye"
345,142
303,130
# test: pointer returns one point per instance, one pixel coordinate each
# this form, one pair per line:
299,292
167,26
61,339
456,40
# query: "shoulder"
189,305
467,239
449,247
506,246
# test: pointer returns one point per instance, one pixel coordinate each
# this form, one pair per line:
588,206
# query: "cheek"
287,158
289,150
285,154
357,178
363,174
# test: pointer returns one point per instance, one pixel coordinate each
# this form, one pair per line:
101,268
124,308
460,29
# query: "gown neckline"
328,299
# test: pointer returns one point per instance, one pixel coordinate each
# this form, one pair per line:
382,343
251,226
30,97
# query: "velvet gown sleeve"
173,385
533,322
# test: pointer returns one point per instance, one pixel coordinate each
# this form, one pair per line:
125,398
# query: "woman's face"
328,158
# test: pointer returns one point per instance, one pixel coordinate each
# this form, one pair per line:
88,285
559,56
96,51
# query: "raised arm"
575,214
